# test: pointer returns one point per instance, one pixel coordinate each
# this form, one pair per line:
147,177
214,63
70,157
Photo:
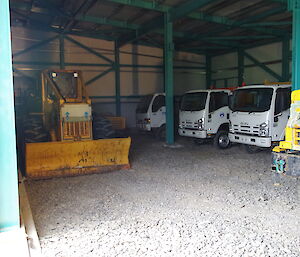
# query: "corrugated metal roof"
217,26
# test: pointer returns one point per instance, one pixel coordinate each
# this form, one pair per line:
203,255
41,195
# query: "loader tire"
34,130
102,128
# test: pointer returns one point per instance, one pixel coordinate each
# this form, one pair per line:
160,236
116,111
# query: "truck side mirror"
276,117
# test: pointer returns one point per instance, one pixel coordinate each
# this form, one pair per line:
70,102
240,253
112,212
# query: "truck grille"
243,129
189,125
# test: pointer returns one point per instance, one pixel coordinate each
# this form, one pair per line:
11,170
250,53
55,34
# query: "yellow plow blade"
56,159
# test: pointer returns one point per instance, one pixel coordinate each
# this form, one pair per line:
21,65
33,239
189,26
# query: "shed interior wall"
225,66
135,81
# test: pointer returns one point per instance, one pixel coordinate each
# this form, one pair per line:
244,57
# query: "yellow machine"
67,117
286,156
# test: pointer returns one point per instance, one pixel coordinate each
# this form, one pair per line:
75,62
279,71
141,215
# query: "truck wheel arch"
224,126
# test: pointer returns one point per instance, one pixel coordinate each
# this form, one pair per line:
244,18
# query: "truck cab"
259,114
204,114
151,114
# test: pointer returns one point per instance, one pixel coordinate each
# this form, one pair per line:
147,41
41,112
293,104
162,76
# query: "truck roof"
267,86
208,90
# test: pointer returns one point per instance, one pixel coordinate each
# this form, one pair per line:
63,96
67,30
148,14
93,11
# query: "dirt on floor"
189,200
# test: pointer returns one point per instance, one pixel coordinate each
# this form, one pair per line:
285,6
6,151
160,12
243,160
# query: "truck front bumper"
143,126
250,140
192,133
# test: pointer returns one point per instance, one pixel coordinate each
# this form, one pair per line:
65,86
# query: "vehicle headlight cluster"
263,130
230,127
201,124
147,121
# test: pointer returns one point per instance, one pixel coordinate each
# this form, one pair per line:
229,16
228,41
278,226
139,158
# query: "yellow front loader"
286,156
68,120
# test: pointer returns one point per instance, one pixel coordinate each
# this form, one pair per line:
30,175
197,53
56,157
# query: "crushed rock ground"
184,201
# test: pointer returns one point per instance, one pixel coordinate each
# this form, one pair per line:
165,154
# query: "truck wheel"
221,140
161,133
252,149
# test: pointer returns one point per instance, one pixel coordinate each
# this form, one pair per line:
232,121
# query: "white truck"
151,115
259,114
204,114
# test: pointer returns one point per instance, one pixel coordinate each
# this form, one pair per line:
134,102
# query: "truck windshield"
193,101
144,103
251,100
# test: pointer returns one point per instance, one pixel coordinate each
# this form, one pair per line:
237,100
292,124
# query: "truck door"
218,111
281,113
158,111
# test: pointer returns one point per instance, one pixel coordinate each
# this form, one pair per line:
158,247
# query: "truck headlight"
263,130
147,121
230,127
200,124
180,126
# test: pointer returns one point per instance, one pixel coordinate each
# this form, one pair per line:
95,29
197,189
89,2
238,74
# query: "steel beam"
208,71
264,67
285,64
153,5
252,19
117,80
186,8
269,23
35,46
168,78
88,49
295,7
9,199
98,76
241,66
105,21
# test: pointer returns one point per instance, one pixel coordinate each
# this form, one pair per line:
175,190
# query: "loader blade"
56,159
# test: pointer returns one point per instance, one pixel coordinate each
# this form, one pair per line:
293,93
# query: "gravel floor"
186,201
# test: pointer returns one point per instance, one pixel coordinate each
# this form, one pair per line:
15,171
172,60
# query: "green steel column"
296,44
208,71
169,88
241,67
117,80
62,51
9,200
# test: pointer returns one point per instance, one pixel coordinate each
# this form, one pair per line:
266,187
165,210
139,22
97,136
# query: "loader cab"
67,112
68,85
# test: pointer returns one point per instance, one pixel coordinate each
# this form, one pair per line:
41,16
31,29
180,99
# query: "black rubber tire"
221,140
199,141
34,130
161,133
102,128
252,149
